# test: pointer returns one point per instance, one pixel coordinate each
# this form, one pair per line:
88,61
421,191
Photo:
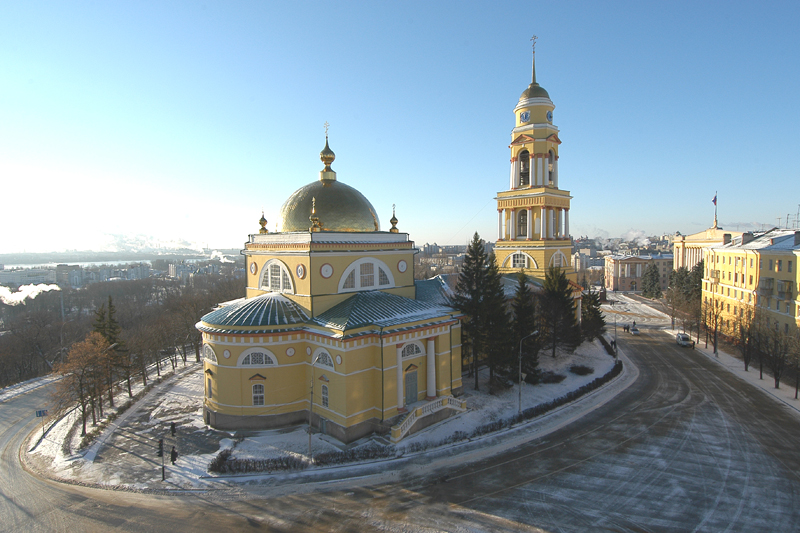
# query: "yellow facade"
753,274
332,314
533,214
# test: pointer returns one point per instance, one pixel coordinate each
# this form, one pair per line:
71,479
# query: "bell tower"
533,214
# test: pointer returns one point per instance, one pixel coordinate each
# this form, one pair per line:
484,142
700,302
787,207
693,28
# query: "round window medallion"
226,354
326,271
301,271
308,350
402,266
338,359
252,268
290,352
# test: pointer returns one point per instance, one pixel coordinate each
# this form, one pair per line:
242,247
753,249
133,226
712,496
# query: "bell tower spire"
533,213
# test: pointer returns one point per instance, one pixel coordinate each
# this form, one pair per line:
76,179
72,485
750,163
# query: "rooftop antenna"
533,65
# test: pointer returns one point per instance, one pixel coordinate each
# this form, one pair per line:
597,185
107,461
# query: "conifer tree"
651,284
524,323
559,327
469,296
592,322
497,324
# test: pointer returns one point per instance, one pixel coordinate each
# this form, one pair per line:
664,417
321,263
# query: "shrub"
548,376
581,370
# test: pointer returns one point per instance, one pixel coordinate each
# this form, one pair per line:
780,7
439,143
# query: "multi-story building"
753,272
687,250
27,276
624,272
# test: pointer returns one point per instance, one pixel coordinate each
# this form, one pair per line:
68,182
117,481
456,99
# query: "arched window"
522,227
276,278
257,357
524,168
367,273
323,358
411,349
258,394
324,396
208,353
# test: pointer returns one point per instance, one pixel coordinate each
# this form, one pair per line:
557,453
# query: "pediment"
554,138
522,139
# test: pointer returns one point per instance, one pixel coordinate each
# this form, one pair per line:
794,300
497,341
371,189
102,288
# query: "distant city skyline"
175,122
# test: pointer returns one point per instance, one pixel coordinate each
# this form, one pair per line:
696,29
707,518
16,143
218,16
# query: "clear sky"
182,120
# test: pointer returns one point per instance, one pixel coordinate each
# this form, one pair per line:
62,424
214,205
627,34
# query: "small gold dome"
326,155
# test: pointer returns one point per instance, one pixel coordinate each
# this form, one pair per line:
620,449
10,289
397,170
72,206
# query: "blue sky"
178,120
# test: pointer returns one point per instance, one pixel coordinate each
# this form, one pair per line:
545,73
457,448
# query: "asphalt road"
687,447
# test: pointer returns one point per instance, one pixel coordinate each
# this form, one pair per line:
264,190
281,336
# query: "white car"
684,340
634,330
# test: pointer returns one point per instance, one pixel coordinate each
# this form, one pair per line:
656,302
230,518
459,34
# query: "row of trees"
153,315
757,338
497,330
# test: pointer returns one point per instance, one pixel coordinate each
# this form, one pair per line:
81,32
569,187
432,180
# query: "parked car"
684,340
634,330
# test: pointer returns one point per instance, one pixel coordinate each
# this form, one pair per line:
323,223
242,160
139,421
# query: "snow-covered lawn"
181,402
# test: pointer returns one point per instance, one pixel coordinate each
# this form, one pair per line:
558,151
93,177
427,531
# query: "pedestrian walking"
173,455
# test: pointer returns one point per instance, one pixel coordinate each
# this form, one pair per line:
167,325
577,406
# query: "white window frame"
355,269
209,354
323,363
324,395
508,262
258,395
269,356
419,352
285,281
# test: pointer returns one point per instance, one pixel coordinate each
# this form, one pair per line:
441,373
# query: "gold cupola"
338,207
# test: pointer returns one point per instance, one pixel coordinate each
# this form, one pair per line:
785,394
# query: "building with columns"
333,330
533,213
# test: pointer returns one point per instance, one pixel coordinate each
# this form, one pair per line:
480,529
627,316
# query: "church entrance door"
411,387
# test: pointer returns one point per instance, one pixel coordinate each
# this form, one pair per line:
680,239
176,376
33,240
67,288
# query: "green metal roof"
272,309
380,309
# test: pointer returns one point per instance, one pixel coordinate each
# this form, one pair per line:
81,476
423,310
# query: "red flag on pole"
715,199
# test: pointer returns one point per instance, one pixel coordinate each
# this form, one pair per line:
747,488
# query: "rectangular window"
751,262
770,265
258,394
519,261
367,275
275,278
780,265
324,396
208,387
751,279
788,266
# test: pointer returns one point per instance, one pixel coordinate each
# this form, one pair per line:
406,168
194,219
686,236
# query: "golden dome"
336,206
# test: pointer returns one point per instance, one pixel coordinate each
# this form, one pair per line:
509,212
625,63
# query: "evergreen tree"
497,324
651,284
469,296
524,323
106,325
592,322
559,327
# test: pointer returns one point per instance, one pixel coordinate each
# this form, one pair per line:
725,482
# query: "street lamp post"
519,376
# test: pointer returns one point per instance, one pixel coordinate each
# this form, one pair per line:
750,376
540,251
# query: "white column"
543,232
530,223
552,223
566,223
511,175
540,174
431,360
513,224
515,180
499,224
557,215
555,173
400,390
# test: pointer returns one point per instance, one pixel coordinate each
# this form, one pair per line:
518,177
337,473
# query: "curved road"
687,447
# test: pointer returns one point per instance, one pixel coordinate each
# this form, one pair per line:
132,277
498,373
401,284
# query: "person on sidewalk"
173,455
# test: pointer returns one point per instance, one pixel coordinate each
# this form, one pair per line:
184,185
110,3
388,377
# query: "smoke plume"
24,292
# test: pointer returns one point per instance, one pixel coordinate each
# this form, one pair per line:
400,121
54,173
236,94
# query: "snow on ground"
26,386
